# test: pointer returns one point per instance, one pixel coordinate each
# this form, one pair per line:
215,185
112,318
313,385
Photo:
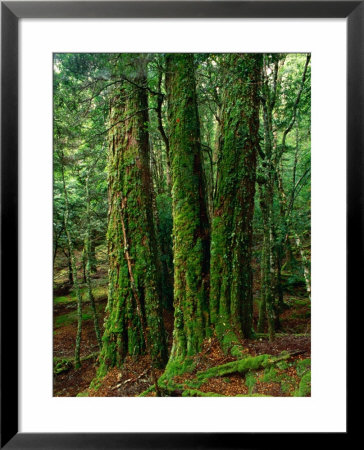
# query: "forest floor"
288,377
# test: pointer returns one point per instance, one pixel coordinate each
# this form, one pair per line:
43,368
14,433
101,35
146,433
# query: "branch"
295,106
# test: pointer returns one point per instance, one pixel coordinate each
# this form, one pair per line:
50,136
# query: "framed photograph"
182,204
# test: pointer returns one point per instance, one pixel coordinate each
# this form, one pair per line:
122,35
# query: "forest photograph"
181,225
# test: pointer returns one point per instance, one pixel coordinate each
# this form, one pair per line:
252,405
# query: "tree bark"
72,262
129,178
266,192
231,247
191,237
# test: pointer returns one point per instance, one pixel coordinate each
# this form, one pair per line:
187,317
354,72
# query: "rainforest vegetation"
181,226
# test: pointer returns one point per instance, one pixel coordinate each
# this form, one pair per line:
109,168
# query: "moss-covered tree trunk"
131,231
191,238
231,239
93,261
69,265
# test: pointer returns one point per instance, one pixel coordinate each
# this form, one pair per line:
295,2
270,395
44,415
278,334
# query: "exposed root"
243,365
189,388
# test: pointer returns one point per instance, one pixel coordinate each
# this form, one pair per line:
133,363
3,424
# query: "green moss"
82,394
101,372
304,315
229,341
270,374
231,276
58,300
304,389
147,391
282,365
302,366
237,351
191,239
64,364
245,366
197,393
173,369
286,386
100,293
61,365
241,366
71,317
177,367
131,210
250,381
252,395
299,302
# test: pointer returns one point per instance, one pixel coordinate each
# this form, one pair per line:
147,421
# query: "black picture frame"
11,12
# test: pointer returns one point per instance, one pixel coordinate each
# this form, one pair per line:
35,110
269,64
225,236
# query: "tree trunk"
93,260
305,264
72,263
191,237
266,192
286,211
129,179
69,263
84,262
88,258
164,237
231,247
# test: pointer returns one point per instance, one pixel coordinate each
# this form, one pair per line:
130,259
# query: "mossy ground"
99,292
71,317
254,375
248,377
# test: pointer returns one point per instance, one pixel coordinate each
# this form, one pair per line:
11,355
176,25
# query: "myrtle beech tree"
231,241
134,323
191,232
